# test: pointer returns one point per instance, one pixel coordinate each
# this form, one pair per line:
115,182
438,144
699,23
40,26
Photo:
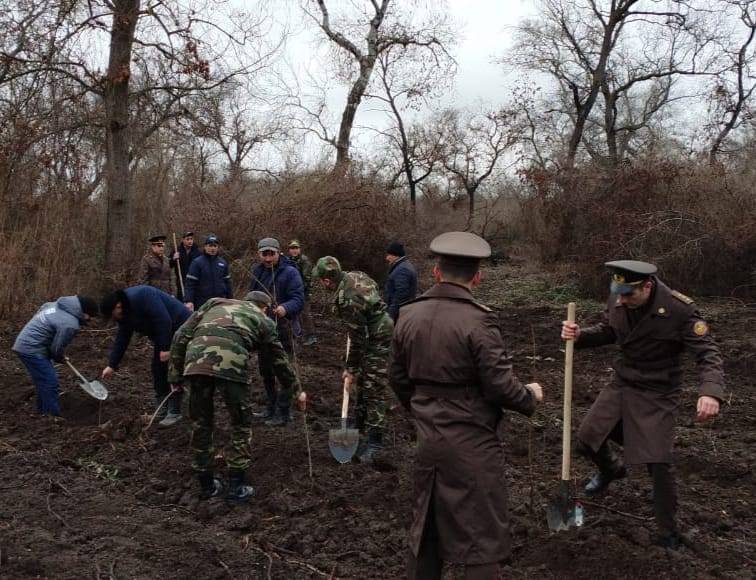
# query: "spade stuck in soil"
343,441
562,513
93,388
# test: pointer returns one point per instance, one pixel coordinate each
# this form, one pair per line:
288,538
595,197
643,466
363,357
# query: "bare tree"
734,88
406,87
385,26
476,145
160,52
580,45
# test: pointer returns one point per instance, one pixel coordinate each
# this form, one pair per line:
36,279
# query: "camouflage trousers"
372,386
201,410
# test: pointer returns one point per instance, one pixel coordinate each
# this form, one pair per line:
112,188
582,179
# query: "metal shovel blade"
562,513
343,443
95,388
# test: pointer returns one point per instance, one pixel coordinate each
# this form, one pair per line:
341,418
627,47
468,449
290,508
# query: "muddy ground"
93,496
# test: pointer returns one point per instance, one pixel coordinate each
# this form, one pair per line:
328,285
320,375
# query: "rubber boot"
209,486
270,392
238,491
610,467
280,418
373,445
173,415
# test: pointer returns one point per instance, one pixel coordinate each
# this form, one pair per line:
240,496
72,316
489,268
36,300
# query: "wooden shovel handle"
178,267
569,350
345,402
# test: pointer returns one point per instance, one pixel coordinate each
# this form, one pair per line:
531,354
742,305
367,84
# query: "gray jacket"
50,329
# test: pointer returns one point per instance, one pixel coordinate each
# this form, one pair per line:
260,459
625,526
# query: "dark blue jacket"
289,288
401,286
185,260
208,278
151,312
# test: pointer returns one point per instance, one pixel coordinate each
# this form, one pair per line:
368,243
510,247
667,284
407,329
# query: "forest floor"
92,495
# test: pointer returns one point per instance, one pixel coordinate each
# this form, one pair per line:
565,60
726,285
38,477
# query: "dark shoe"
371,447
310,340
280,419
238,491
268,413
209,486
670,541
599,481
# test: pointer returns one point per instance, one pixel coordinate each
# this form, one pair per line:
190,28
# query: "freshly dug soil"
92,495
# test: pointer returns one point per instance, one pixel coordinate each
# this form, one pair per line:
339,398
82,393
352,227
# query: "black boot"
373,445
266,413
610,467
209,486
238,491
280,417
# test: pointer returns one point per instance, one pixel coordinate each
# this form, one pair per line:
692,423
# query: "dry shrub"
697,223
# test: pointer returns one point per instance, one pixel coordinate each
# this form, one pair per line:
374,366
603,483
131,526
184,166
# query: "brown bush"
698,224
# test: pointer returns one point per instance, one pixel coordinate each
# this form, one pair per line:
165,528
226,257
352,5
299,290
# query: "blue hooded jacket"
288,290
51,329
208,277
151,312
401,286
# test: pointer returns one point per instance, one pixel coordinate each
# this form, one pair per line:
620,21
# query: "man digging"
212,351
652,325
358,303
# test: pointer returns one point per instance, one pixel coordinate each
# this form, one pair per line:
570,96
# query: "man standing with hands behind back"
451,371
652,325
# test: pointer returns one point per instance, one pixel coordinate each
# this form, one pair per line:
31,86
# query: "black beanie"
88,306
109,302
395,248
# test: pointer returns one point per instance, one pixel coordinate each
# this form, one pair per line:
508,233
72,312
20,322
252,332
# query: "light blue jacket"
51,329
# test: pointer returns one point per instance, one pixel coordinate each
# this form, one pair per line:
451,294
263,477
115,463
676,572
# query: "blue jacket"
401,286
289,288
51,329
151,312
208,278
185,260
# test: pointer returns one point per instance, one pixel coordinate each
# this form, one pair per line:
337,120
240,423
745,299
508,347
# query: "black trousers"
160,384
665,486
266,368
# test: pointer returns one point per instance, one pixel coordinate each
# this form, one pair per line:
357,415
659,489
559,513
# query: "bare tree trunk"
350,111
118,222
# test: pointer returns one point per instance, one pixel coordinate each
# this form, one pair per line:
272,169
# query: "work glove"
177,388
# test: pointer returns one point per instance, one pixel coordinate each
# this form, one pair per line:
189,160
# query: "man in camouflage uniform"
212,350
155,268
304,265
357,301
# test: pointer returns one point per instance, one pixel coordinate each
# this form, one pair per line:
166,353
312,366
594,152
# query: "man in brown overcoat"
652,325
155,268
451,371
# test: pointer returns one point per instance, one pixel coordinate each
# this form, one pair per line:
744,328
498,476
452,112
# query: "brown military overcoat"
646,391
451,371
156,271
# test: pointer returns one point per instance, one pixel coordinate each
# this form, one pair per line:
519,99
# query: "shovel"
343,442
93,388
562,513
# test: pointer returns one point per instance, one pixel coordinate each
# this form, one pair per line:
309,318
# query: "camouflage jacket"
156,271
304,265
358,303
218,340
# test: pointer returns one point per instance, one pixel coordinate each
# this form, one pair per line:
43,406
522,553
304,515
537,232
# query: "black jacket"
401,286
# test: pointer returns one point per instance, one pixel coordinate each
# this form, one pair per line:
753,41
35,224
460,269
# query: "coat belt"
447,391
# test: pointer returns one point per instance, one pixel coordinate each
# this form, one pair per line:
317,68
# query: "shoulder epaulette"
682,297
